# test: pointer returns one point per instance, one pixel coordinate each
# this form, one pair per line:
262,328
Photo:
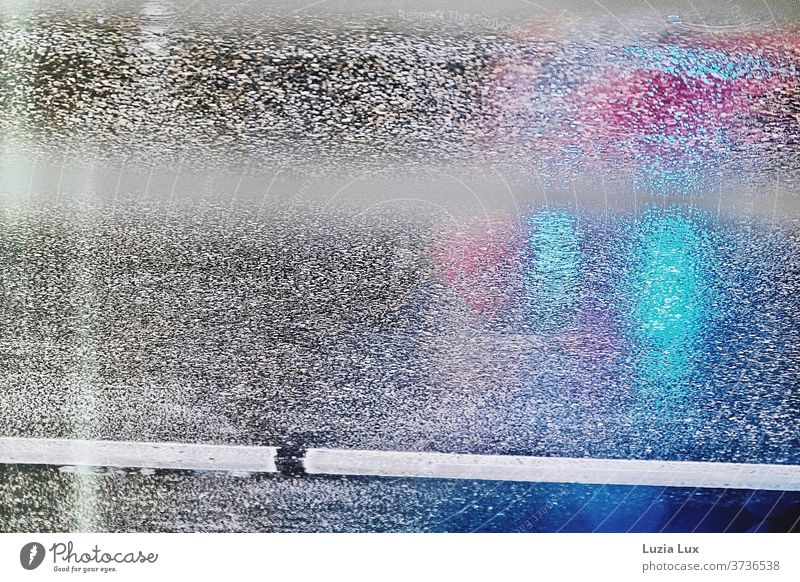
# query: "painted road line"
260,459
138,454
553,469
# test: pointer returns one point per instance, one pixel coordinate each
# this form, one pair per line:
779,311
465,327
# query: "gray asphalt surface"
59,499
392,330
135,307
557,92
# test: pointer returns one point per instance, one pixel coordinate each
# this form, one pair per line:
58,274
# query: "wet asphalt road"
665,330
670,105
668,334
53,499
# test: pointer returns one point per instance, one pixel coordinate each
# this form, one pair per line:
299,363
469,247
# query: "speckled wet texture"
290,92
668,334
61,499
664,105
561,233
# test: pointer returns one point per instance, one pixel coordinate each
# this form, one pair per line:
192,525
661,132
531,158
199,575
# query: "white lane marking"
258,459
138,454
554,469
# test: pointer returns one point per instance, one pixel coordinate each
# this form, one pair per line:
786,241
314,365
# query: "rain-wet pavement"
667,334
667,104
63,499
665,330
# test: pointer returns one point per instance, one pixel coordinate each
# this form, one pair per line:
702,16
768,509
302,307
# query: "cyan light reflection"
677,163
671,288
708,65
553,273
